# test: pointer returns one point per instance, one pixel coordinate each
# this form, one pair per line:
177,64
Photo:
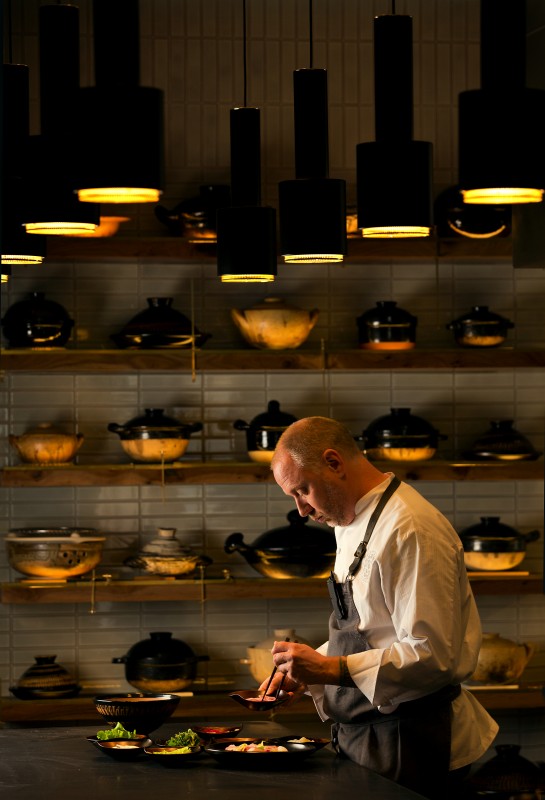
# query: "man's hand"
303,665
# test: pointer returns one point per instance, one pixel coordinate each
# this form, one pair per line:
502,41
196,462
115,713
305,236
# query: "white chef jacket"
417,612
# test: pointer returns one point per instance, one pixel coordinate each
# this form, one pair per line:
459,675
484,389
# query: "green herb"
118,732
184,739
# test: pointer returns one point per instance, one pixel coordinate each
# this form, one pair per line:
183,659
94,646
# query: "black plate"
259,761
312,742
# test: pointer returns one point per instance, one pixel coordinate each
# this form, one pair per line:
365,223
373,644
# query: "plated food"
258,753
256,702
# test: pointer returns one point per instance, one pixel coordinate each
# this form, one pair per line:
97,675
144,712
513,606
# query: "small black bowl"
140,712
122,749
168,757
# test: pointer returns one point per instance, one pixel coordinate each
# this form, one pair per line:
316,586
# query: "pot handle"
234,542
531,537
240,425
120,660
115,428
193,427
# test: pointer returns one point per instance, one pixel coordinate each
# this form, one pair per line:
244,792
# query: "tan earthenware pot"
274,324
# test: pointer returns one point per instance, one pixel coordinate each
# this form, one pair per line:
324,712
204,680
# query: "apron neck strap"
359,555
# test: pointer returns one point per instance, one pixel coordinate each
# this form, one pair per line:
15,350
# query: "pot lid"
489,526
482,315
160,648
166,544
159,317
48,429
297,536
70,535
272,418
155,424
386,312
400,422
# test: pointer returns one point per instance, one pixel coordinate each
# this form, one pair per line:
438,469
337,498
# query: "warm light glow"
119,194
22,259
313,258
249,278
477,235
108,226
501,194
396,232
59,228
5,277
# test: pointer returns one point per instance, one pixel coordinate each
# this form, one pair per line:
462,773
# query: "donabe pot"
503,442
297,550
480,327
386,327
492,546
160,664
37,323
159,325
264,431
400,436
155,437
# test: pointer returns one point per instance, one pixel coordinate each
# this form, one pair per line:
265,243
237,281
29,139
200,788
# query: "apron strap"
359,555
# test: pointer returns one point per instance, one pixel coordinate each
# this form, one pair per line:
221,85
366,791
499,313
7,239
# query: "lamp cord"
310,37
244,51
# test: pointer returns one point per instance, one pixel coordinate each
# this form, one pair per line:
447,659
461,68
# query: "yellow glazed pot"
501,660
274,325
47,444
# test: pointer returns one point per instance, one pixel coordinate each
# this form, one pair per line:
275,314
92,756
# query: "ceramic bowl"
122,749
140,712
209,732
171,756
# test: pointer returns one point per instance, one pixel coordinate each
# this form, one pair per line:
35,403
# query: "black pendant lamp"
501,125
17,246
120,122
246,230
394,173
52,207
312,208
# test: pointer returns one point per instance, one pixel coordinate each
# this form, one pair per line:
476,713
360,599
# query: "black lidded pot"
296,550
264,431
480,327
386,327
37,323
160,664
504,443
159,325
400,436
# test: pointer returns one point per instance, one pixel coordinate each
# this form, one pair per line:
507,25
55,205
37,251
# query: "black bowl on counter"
297,550
142,713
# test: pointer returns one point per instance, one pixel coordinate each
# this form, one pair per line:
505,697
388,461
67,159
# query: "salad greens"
118,732
184,739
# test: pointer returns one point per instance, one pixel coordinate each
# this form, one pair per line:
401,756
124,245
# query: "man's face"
318,493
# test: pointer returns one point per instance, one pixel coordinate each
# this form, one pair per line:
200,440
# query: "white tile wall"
192,50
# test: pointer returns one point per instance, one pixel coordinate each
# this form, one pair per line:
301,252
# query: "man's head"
318,463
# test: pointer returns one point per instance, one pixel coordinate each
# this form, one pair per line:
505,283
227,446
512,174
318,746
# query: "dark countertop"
54,762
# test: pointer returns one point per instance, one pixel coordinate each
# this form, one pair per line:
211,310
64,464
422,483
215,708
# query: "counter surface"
56,762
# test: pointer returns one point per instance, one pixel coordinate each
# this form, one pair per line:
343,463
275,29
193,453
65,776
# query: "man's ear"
334,461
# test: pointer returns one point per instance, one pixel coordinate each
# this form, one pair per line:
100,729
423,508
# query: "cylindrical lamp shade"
121,131
394,182
246,244
501,151
312,214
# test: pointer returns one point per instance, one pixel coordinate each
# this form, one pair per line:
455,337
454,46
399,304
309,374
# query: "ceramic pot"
159,325
480,327
37,323
274,324
400,436
501,660
45,679
508,776
47,444
259,656
296,550
504,443
386,327
195,217
154,437
165,555
491,546
54,553
264,431
160,664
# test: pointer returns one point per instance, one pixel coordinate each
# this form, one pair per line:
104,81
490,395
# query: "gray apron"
412,744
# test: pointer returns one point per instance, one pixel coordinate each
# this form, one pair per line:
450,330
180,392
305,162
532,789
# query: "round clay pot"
400,436
386,327
159,325
501,660
37,323
264,431
54,553
504,443
47,444
45,679
154,437
492,546
274,324
480,327
165,555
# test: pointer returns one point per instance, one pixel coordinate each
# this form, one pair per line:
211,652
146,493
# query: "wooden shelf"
167,360
65,248
234,472
144,590
218,708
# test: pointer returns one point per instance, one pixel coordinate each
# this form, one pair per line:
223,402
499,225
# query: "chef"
404,630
